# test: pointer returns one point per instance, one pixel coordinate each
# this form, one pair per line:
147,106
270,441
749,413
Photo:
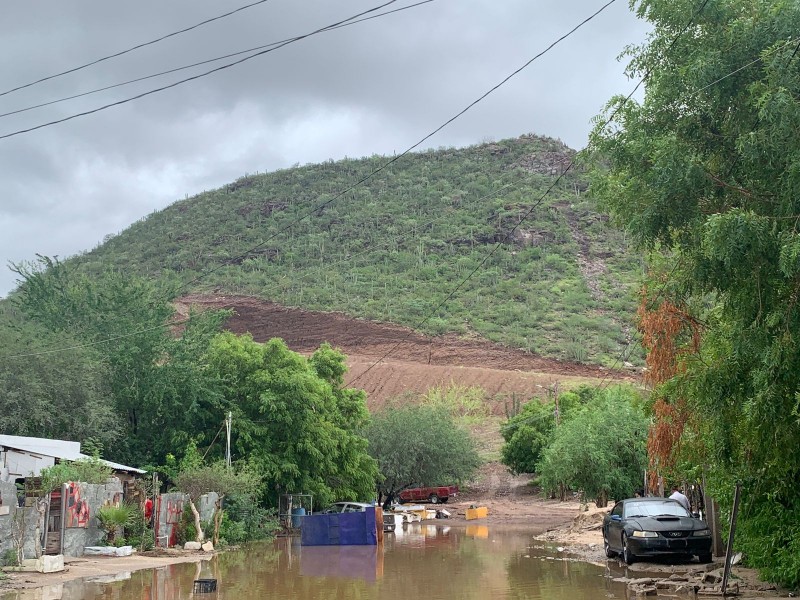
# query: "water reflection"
434,562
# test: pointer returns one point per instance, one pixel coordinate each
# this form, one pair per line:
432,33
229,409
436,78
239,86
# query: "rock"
714,576
208,547
192,546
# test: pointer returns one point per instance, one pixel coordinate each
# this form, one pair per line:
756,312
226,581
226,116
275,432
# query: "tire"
444,500
434,499
705,558
627,555
607,547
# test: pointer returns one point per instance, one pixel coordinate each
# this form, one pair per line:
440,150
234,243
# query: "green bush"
8,558
245,521
601,450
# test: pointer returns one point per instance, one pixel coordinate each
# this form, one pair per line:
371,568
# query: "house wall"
80,535
170,513
76,538
11,515
16,463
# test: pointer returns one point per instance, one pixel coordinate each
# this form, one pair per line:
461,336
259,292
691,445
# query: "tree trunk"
41,508
217,519
198,527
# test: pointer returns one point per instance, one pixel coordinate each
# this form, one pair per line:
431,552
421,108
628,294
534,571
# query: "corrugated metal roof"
61,449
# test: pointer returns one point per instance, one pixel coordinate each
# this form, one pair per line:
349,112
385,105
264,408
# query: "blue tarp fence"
339,529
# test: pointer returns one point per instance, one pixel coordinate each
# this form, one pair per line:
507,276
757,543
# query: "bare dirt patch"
415,363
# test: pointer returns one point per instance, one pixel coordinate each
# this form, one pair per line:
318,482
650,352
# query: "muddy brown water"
430,562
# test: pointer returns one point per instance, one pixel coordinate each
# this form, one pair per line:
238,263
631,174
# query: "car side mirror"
616,518
696,515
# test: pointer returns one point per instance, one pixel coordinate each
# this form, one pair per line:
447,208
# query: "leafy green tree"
59,395
420,445
294,421
158,387
601,450
706,169
527,433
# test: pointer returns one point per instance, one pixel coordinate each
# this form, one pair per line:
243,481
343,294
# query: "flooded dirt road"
430,562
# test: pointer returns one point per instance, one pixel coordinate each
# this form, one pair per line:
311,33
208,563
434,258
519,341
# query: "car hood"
666,523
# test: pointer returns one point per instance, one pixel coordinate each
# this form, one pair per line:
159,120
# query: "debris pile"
696,582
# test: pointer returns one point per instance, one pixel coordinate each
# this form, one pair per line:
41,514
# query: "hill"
391,249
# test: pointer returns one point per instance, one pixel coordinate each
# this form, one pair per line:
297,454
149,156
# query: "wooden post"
711,517
731,534
379,523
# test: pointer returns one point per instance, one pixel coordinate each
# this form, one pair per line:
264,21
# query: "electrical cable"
192,78
397,157
387,164
204,62
535,205
136,47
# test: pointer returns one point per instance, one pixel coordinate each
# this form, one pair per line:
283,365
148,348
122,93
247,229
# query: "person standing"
680,497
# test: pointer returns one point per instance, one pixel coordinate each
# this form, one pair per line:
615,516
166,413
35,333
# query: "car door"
614,527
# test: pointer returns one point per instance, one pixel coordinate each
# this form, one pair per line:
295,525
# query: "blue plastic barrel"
297,516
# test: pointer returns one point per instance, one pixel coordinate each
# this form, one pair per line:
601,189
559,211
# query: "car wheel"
627,555
607,547
705,558
434,499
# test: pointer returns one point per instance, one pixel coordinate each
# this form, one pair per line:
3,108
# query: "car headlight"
702,533
646,534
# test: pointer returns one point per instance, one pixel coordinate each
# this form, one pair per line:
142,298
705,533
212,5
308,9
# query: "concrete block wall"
170,513
8,500
75,538
97,496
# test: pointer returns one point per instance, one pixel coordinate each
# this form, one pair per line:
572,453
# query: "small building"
70,522
22,457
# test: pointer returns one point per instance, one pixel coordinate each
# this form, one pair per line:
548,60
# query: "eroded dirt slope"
415,362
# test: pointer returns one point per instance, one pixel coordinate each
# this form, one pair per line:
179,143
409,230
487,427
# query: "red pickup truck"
431,494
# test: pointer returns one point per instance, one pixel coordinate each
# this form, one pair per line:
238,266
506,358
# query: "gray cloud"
375,87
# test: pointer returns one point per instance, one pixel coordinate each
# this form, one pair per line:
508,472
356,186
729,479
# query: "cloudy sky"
373,87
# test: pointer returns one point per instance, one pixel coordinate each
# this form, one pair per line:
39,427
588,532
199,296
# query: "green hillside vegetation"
392,248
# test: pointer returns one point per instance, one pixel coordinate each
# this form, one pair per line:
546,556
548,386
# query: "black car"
639,527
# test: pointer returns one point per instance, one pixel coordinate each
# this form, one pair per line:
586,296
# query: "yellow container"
477,513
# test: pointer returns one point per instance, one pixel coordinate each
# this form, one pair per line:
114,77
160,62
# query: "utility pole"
228,421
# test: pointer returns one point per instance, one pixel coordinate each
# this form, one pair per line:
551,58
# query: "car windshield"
654,509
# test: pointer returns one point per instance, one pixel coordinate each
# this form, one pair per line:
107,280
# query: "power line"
197,64
535,205
398,156
136,47
388,163
198,76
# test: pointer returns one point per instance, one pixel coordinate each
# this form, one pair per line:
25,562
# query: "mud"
414,362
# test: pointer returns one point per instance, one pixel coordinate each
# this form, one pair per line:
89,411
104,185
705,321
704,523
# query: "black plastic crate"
204,586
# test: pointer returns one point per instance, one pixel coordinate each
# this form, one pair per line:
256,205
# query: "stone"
50,563
208,547
192,546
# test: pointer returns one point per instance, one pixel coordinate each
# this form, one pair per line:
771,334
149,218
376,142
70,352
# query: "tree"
59,395
600,450
294,421
706,172
527,433
158,387
419,445
219,478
